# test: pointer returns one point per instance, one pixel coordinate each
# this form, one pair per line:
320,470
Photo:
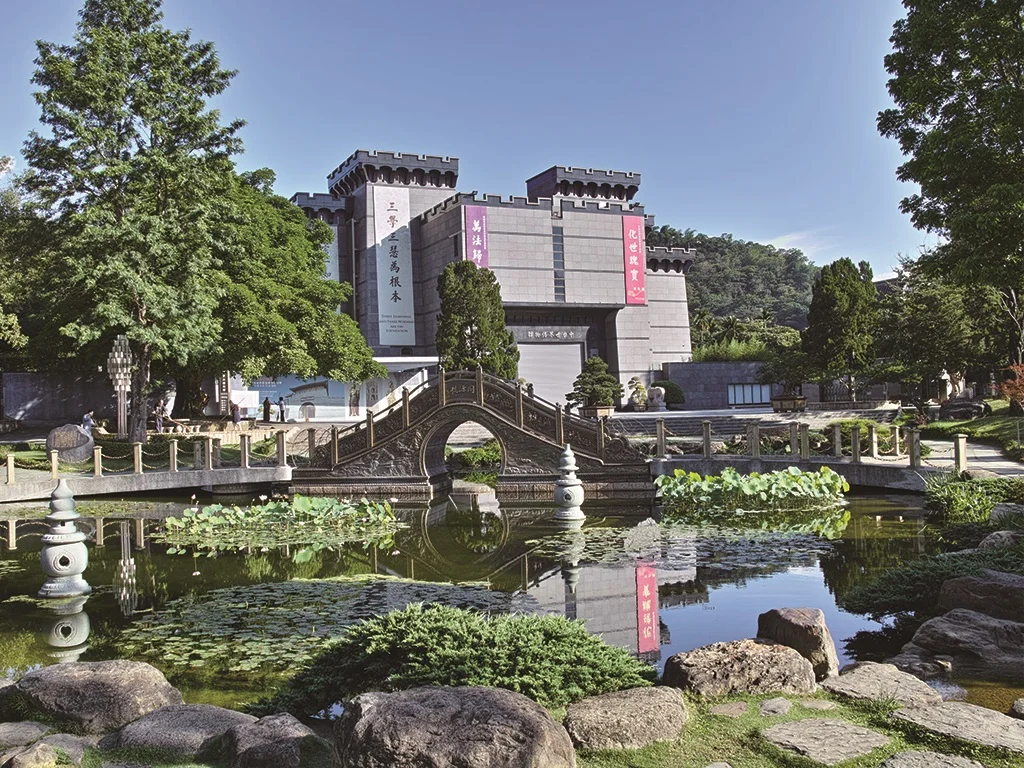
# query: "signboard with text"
647,609
635,258
395,311
477,248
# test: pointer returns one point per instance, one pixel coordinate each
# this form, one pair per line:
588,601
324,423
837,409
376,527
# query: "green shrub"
674,394
550,659
914,588
488,456
953,499
731,351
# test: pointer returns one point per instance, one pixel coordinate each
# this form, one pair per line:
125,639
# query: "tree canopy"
839,338
957,81
471,327
743,279
131,174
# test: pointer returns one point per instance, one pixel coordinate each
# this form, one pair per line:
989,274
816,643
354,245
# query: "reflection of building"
575,275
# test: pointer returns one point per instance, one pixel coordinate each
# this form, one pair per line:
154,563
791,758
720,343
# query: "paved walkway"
979,456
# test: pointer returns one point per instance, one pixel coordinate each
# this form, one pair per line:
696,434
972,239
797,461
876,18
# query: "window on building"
558,249
750,394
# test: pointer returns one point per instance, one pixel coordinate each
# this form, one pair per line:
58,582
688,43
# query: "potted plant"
788,368
637,394
595,390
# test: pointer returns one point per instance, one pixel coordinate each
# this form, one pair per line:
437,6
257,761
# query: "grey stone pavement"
979,456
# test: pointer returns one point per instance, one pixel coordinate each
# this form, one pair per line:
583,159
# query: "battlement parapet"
475,198
661,258
379,167
592,183
320,201
600,206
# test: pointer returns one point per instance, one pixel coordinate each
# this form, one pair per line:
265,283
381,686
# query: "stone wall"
51,398
706,384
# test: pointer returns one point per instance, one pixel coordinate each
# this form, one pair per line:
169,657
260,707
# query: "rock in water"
870,681
968,722
825,741
994,593
1017,709
803,630
929,760
626,719
987,641
441,727
742,666
94,696
186,730
277,741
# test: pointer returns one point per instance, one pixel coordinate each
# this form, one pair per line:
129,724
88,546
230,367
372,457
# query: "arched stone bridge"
400,451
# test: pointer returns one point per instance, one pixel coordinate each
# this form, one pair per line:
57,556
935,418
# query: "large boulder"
803,630
1005,509
742,666
94,696
439,727
71,442
986,641
922,663
276,741
20,734
869,681
963,409
626,719
185,730
967,722
993,593
1002,540
1017,709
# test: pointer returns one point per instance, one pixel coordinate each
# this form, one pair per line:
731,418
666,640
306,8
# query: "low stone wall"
706,385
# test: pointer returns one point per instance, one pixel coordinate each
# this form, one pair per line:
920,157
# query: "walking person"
158,416
88,422
236,414
281,415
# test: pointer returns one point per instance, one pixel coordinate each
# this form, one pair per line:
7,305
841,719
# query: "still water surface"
226,629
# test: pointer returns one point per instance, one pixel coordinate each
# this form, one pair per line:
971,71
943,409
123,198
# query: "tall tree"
277,314
131,172
738,278
841,322
13,220
929,325
471,328
957,71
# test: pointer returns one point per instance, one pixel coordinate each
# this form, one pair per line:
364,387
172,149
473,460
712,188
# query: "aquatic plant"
270,628
787,500
953,499
550,659
308,523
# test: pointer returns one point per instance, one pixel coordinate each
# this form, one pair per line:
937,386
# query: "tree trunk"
138,408
189,398
1013,304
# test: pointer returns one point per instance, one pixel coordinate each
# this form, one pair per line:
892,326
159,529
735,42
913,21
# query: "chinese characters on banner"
647,609
395,314
635,257
476,234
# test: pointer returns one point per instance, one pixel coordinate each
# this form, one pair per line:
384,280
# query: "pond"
226,629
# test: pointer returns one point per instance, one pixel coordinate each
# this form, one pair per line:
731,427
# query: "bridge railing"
795,439
121,459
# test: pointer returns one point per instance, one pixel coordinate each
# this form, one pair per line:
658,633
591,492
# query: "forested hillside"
742,279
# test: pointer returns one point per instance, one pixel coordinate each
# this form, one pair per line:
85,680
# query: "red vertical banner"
635,258
647,609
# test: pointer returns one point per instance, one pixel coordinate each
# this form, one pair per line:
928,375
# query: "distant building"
575,275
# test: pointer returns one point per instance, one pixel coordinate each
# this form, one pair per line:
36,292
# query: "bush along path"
773,701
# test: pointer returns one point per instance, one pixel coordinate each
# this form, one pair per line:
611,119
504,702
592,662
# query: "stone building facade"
576,278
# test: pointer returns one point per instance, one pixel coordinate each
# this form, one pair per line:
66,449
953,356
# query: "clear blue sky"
744,116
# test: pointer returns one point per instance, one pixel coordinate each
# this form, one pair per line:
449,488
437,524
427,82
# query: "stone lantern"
569,491
64,556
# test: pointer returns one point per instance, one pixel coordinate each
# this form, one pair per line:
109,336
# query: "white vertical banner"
395,312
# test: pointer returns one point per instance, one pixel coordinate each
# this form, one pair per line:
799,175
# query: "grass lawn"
711,738
999,429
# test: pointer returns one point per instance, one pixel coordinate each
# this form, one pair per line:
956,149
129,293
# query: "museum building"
576,278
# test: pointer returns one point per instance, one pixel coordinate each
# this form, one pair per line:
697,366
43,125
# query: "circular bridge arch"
445,421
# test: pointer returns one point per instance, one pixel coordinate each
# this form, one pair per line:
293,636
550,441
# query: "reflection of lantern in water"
125,589
68,633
